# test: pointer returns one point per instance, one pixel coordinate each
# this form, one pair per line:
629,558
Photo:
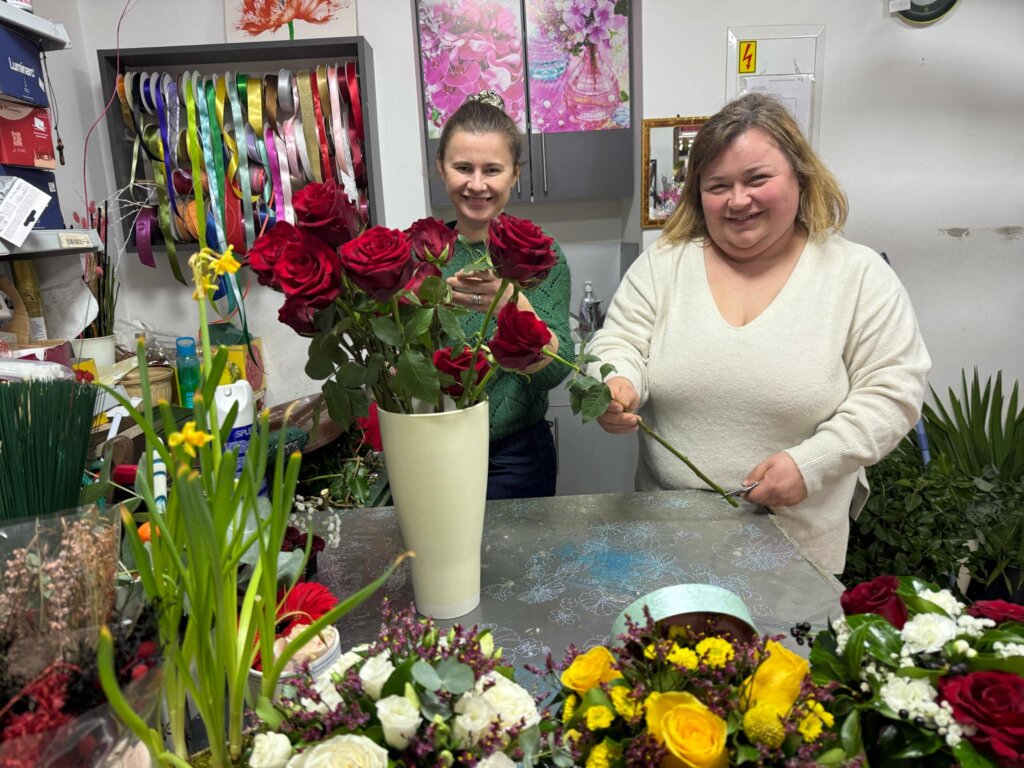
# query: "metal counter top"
559,570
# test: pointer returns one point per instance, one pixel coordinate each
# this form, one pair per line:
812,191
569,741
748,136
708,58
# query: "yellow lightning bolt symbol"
747,57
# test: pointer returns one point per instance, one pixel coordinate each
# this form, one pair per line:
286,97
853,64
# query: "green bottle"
188,370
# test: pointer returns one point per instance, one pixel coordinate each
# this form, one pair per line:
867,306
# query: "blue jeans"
523,464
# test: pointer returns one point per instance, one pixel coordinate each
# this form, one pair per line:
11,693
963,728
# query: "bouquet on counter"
924,679
701,698
417,695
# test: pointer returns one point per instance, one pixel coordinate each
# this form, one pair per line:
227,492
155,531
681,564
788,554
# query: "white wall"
921,125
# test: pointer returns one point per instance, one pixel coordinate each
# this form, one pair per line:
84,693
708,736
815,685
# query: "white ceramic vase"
437,469
100,349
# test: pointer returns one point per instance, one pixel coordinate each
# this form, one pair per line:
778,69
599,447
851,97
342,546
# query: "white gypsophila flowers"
474,716
270,750
842,630
973,627
1008,650
928,632
945,600
399,718
374,673
913,695
349,750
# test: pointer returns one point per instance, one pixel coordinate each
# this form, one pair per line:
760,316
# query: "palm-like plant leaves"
979,429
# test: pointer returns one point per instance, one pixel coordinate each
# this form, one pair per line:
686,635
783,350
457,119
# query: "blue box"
21,72
51,218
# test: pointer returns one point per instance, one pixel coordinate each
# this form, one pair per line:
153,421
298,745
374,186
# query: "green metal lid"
692,604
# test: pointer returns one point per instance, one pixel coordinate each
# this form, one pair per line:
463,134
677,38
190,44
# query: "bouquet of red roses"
924,679
380,314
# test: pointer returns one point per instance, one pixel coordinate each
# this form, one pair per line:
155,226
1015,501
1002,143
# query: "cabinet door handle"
519,186
544,161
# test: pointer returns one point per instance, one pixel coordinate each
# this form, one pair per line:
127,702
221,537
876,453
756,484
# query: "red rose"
423,271
430,237
520,337
997,610
298,315
379,261
308,270
324,210
876,596
267,249
370,425
519,250
993,702
456,366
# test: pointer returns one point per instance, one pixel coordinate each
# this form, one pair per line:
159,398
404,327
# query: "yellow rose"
777,680
589,670
692,733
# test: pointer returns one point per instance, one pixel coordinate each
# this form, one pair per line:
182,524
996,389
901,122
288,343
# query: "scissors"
743,490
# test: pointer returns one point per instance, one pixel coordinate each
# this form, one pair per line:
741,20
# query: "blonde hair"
823,206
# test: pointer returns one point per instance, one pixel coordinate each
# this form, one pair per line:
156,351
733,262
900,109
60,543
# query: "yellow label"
748,56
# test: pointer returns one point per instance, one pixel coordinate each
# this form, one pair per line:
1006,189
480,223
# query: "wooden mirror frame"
684,128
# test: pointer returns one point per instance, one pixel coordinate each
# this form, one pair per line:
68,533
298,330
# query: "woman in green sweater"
479,158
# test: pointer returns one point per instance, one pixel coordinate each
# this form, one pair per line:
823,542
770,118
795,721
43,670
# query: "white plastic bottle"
224,397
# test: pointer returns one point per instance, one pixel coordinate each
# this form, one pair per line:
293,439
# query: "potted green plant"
982,433
211,625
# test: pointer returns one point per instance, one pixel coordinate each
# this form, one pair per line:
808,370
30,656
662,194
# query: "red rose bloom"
457,366
993,702
998,610
519,250
370,426
308,270
267,250
379,261
298,315
430,237
325,211
876,596
520,337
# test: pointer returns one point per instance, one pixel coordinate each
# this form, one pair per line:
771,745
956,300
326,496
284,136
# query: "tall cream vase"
437,469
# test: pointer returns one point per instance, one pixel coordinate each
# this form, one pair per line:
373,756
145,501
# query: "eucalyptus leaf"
424,674
456,677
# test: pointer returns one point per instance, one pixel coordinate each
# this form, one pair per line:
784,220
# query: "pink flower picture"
249,20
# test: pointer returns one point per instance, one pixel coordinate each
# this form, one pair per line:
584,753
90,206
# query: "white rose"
375,673
928,632
945,600
510,700
270,750
497,760
913,695
348,751
400,718
474,717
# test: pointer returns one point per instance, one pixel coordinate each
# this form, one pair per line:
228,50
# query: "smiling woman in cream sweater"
760,343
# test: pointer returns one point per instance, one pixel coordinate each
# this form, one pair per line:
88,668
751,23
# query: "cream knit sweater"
832,372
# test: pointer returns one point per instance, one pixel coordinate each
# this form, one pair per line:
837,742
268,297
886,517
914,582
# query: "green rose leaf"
344,404
433,290
416,377
451,326
419,323
385,329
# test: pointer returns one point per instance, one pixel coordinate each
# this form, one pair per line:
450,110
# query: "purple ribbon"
144,224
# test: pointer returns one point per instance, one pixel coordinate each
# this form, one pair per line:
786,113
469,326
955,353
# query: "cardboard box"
21,72
49,217
25,137
241,366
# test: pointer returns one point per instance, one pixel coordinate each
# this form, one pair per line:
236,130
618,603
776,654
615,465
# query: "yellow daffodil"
599,717
189,438
226,263
763,725
715,652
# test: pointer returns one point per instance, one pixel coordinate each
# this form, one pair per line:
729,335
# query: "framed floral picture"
665,149
265,20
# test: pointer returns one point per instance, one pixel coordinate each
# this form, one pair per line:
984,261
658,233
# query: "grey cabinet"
571,97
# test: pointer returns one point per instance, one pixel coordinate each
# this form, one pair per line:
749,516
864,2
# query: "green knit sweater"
517,401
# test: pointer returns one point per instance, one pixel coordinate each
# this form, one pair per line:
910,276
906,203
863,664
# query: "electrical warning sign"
748,57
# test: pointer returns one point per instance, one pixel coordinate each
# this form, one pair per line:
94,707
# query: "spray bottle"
591,317
226,396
